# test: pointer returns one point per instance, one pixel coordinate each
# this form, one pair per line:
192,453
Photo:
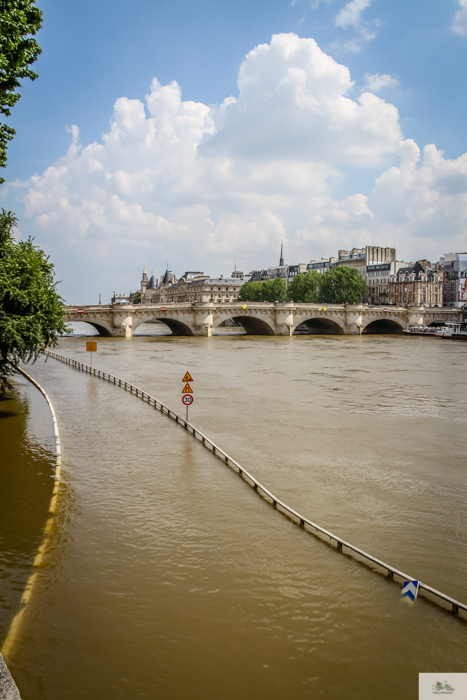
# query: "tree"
274,290
269,290
31,311
342,284
304,289
250,291
19,22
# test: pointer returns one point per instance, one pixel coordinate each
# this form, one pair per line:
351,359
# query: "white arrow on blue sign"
410,590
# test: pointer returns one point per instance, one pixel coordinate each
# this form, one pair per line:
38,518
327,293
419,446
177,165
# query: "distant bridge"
260,318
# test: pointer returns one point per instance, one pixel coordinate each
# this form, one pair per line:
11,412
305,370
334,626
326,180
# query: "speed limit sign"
187,399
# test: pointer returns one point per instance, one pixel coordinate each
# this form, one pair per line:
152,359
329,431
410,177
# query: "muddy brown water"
166,576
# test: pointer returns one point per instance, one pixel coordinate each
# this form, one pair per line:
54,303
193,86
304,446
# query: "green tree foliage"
304,289
336,286
137,299
250,291
270,290
19,22
342,284
31,311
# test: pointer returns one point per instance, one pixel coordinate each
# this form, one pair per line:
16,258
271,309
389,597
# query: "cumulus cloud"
350,18
377,82
205,185
351,14
460,20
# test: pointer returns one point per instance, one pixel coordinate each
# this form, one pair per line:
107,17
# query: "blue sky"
298,153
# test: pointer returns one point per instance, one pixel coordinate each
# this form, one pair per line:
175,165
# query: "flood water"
167,576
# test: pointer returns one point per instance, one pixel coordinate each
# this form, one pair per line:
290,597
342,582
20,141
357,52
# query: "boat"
423,330
453,331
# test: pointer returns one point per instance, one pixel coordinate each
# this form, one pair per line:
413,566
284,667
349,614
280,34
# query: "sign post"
187,392
91,346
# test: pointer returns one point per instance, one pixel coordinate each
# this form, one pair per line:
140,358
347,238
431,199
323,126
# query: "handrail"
456,606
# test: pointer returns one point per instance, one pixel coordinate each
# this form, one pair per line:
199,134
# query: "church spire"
281,260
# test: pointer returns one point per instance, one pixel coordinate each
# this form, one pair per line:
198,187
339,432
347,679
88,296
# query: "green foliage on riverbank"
340,285
270,290
31,310
336,286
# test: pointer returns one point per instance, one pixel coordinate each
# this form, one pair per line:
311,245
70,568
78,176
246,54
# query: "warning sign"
91,346
187,378
187,389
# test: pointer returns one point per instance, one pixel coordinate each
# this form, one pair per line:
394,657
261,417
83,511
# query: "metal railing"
377,565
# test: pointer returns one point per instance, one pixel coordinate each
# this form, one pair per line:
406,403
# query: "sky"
199,134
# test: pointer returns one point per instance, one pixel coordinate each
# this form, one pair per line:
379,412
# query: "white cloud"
204,185
351,13
378,82
350,18
460,20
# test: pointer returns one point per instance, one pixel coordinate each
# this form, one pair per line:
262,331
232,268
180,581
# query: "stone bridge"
260,318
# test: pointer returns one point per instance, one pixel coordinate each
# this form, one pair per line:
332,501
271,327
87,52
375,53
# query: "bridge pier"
204,318
284,319
353,319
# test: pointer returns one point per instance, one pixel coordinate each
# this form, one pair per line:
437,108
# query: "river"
166,576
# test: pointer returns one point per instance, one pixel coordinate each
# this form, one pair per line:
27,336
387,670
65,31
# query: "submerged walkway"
377,565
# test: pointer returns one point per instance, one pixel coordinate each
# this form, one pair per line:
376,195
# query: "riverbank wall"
8,689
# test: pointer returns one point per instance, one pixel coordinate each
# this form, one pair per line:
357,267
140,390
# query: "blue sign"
410,590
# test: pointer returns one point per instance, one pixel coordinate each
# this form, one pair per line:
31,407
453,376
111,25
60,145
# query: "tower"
281,259
144,283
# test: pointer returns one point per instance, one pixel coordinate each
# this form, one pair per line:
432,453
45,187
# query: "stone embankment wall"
8,689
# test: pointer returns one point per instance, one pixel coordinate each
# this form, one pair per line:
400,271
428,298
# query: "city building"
294,270
237,275
118,299
322,265
416,285
151,288
377,280
271,273
205,289
360,258
455,279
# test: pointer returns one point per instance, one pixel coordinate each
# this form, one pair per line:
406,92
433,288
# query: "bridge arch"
253,325
103,329
318,325
175,325
380,326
